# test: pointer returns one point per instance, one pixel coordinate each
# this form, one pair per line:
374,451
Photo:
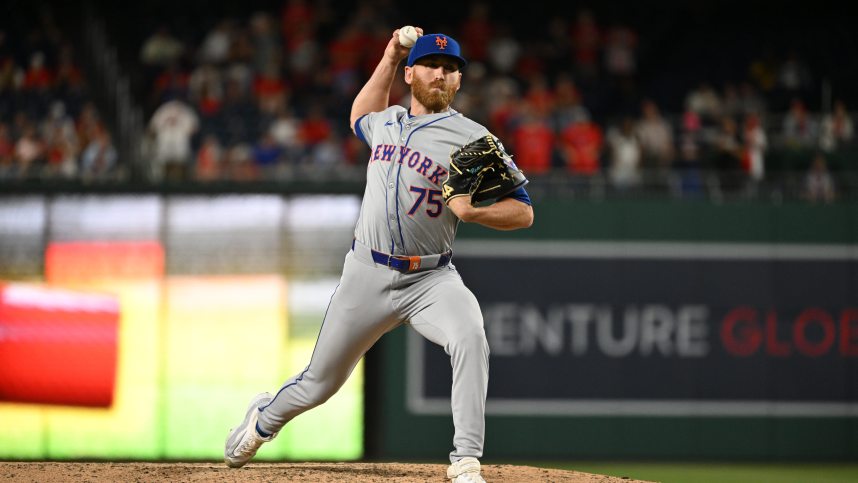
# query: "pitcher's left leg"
448,315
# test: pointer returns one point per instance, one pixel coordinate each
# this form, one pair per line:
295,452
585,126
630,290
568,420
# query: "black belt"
407,264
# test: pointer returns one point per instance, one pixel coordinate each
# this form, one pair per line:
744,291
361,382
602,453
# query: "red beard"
435,101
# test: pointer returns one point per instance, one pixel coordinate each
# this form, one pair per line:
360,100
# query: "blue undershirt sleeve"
520,195
358,131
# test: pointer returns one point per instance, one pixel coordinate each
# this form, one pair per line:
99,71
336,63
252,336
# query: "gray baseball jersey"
402,214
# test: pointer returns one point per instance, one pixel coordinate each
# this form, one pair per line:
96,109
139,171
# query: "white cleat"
466,470
244,441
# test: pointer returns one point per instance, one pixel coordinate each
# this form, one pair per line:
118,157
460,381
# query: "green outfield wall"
693,221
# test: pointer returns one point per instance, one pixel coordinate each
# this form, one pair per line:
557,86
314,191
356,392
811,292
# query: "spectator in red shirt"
296,16
205,88
586,43
68,75
345,53
477,32
531,62
539,96
754,147
270,89
315,128
171,83
7,150
376,43
209,157
534,142
581,146
38,76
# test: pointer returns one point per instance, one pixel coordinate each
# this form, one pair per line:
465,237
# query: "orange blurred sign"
76,262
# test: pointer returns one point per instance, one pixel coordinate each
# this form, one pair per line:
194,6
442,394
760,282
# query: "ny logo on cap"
441,42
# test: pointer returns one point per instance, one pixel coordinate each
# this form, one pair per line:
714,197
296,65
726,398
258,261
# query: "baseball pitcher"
430,167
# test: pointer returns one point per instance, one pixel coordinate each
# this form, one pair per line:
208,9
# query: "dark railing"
680,185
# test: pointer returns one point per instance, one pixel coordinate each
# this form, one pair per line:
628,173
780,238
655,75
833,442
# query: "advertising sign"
658,329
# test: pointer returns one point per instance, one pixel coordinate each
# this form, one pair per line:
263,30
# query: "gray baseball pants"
371,300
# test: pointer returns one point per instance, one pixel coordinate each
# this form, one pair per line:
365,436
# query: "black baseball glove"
483,170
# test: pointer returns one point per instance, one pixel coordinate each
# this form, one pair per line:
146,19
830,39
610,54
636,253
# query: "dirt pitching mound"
51,472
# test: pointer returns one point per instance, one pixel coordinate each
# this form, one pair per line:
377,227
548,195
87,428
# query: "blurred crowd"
49,127
262,95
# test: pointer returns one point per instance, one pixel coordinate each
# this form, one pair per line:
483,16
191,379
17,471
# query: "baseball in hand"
407,36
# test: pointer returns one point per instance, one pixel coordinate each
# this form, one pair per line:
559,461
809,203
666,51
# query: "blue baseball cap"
436,44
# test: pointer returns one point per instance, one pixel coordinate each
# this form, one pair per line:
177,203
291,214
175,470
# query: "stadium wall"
648,330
